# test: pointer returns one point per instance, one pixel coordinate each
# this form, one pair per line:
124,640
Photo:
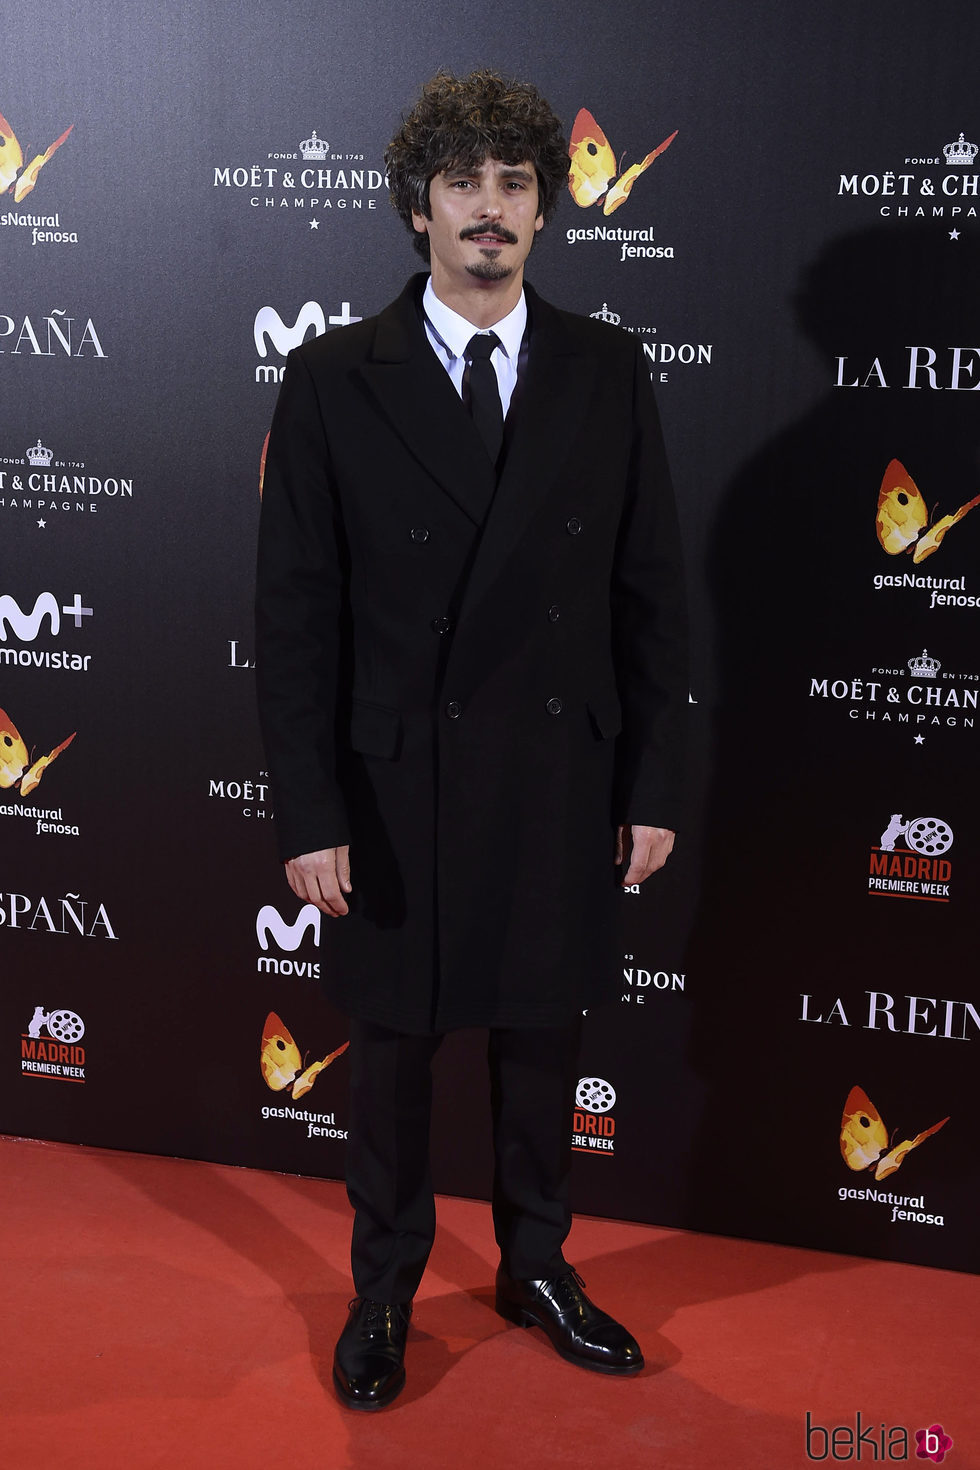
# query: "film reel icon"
929,835
595,1095
65,1026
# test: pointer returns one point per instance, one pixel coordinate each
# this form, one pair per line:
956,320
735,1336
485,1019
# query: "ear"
539,222
419,223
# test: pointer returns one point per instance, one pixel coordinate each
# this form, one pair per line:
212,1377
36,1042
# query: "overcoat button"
553,706
419,533
554,613
453,709
573,526
441,625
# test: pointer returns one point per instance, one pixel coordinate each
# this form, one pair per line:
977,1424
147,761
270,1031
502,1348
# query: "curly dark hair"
460,122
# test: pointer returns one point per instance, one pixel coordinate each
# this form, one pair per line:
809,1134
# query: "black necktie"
484,395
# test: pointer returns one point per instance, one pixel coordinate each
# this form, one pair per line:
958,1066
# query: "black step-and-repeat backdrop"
187,194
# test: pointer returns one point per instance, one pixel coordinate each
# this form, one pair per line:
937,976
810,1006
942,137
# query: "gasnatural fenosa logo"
12,158
865,1141
282,1062
592,179
594,166
902,518
17,767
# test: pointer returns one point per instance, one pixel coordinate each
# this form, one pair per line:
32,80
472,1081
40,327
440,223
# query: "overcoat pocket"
375,730
606,715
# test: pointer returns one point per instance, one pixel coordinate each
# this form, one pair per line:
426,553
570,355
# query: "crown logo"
314,148
605,315
961,151
39,455
924,667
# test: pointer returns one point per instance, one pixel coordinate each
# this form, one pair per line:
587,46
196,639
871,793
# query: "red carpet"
159,1313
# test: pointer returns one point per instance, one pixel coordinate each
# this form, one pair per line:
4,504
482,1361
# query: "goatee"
490,270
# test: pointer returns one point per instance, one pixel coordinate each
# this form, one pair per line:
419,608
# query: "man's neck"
484,302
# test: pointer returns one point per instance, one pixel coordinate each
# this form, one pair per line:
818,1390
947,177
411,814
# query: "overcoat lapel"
415,393
558,380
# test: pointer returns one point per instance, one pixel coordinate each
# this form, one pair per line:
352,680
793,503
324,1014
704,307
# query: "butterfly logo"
864,1139
594,165
14,758
902,521
12,156
281,1062
265,451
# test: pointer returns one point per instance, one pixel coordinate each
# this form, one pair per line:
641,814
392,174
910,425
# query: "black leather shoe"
578,1330
368,1371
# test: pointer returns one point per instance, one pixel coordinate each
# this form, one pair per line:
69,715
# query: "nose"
488,206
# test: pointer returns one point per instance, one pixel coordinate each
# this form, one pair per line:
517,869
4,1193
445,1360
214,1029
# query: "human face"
483,224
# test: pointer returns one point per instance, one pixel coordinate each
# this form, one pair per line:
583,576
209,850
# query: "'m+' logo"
270,329
44,617
272,928
26,626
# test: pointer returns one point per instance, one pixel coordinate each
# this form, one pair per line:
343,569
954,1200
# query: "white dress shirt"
449,334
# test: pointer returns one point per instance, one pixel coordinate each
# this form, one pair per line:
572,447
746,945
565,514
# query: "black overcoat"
470,683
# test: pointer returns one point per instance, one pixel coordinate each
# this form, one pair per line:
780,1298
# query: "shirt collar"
454,331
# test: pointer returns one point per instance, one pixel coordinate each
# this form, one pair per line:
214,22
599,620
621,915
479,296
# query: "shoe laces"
569,1292
376,1314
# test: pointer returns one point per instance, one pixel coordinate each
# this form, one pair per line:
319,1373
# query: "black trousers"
389,1183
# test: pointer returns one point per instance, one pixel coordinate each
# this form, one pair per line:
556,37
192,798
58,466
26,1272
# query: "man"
471,681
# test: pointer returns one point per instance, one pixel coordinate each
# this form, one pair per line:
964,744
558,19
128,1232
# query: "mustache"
500,231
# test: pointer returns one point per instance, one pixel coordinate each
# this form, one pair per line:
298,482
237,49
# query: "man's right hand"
322,878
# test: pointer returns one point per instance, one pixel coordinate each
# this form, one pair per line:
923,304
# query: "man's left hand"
650,849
